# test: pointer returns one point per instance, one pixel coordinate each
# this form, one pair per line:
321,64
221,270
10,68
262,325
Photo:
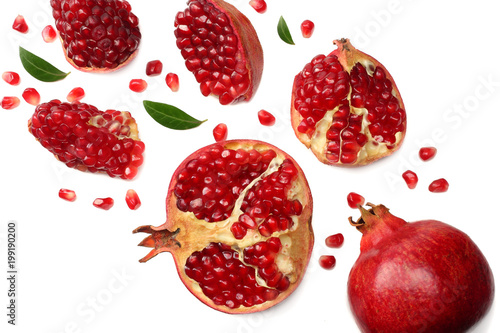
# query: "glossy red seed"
10,102
132,199
335,240
354,199
20,24
260,6
49,34
31,96
427,153
266,118
75,94
439,185
220,132
154,68
172,81
327,261
410,178
68,195
138,85
307,28
11,78
104,203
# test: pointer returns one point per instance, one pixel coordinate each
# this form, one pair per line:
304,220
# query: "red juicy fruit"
11,78
424,276
132,199
354,199
346,108
10,102
439,185
97,35
221,48
266,118
334,241
154,67
68,195
76,94
49,34
220,132
260,6
138,85
307,28
427,153
327,261
87,139
31,96
209,193
20,24
104,203
410,178
172,81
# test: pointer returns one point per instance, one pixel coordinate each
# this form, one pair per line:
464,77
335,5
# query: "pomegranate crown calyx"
373,216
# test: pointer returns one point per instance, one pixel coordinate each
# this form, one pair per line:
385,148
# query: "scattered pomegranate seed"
327,261
31,96
427,153
68,195
10,102
260,6
410,178
172,81
20,24
75,94
334,240
132,199
439,185
104,203
307,28
138,85
49,34
11,78
154,67
354,199
220,132
266,118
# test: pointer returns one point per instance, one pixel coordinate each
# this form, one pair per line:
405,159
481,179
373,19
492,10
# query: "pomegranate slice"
221,48
238,182
346,108
87,139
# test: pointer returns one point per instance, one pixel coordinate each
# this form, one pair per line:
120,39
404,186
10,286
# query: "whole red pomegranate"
238,225
424,276
346,108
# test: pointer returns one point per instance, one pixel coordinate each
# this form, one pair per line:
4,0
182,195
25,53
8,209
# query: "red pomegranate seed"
104,203
334,240
68,195
49,34
11,78
307,28
132,199
172,81
327,261
266,118
354,199
410,178
439,185
154,67
20,24
31,96
220,132
75,94
10,102
260,6
427,153
138,85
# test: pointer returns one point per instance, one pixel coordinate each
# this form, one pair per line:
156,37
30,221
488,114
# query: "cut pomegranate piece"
439,185
346,108
260,6
307,28
11,78
138,85
410,178
104,203
49,34
172,81
354,199
334,241
87,139
20,24
245,184
327,261
132,199
97,36
266,118
154,68
427,153
31,96
221,48
10,102
68,195
75,95
220,132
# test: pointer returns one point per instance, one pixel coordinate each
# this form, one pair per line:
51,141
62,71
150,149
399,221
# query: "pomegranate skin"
424,276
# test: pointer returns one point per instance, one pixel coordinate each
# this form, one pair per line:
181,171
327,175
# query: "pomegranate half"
238,225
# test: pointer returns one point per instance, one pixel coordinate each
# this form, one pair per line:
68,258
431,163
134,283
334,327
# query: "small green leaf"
283,31
170,116
39,68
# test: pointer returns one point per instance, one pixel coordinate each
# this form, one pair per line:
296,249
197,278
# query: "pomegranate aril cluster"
211,51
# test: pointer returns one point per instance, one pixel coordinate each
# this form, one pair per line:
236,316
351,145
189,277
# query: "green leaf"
39,68
170,116
283,31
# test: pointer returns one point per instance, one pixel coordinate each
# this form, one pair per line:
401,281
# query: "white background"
444,57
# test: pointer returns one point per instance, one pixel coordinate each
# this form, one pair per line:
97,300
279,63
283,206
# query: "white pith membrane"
122,125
